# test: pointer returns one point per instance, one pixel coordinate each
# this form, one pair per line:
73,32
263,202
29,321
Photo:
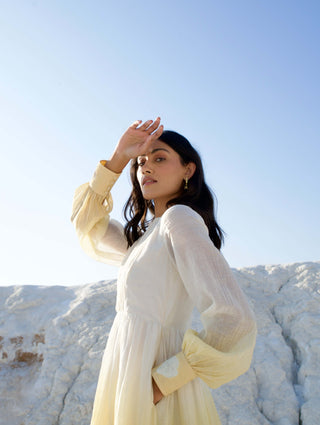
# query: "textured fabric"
173,267
173,374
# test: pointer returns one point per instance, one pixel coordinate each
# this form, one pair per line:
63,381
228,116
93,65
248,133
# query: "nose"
145,167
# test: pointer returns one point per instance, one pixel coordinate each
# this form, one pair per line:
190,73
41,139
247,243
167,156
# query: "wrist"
116,163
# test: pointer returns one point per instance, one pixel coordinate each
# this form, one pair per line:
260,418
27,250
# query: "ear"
190,169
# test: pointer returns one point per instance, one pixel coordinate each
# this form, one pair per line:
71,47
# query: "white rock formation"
52,340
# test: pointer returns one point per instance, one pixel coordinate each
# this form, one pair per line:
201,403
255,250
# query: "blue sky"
240,80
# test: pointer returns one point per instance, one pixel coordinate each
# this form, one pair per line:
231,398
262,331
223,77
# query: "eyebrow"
155,150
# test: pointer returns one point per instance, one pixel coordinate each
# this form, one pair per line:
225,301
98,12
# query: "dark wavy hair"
198,196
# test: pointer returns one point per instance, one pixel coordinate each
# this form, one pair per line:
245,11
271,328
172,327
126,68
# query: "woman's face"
160,174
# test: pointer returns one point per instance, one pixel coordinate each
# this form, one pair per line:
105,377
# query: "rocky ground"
52,340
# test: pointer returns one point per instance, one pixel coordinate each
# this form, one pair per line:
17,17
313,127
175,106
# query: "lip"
147,181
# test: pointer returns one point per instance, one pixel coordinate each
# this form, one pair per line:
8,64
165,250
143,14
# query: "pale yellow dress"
173,267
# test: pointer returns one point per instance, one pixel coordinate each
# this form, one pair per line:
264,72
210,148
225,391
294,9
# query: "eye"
159,159
141,162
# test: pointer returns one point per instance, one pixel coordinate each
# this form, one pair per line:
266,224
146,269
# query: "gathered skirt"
124,394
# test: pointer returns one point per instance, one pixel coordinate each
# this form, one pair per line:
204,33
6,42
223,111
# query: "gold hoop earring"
186,183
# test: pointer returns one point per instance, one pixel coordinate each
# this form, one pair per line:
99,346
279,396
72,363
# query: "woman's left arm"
223,350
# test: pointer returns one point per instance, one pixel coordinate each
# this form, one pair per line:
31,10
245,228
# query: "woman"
155,370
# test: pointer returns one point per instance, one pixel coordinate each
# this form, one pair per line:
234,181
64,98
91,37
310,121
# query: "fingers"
149,126
154,126
135,124
153,136
157,133
145,125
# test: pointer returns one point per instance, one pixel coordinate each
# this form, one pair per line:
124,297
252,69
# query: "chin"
145,196
148,194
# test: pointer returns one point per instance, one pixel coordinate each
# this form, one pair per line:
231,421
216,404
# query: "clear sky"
239,79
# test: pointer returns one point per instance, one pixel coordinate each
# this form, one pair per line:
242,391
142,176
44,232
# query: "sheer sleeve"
223,349
100,237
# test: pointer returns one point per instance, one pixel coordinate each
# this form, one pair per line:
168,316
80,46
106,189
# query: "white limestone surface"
52,340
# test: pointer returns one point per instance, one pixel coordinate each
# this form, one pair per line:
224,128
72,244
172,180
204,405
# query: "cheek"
138,175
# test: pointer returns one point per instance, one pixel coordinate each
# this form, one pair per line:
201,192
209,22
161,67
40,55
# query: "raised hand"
135,141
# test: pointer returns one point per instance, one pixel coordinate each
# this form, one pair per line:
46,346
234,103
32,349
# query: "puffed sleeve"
223,349
101,237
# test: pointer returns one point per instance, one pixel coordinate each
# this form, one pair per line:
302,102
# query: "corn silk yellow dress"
173,267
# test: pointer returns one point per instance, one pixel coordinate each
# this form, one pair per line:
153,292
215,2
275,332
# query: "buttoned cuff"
173,374
103,179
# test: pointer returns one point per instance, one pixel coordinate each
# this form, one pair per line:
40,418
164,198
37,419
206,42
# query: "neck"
159,208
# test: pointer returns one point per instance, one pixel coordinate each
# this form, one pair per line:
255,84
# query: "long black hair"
198,196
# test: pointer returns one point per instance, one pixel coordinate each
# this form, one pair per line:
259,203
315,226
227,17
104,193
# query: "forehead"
157,145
